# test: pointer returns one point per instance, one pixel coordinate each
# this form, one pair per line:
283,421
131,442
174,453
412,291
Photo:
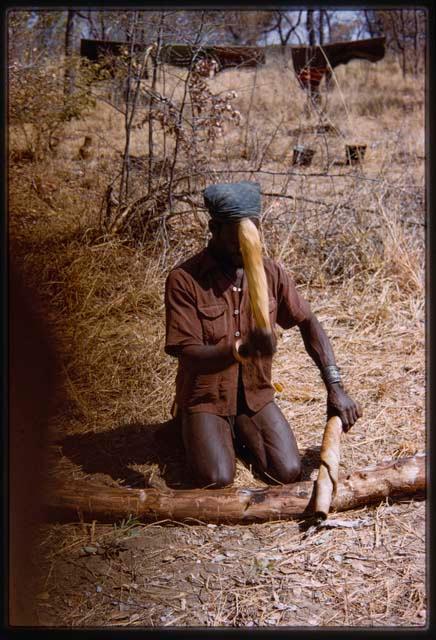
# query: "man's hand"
259,343
340,404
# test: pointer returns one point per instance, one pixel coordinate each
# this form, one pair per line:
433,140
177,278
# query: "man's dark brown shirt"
204,307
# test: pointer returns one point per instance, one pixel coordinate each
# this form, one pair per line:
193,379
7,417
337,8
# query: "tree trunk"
415,43
310,27
329,26
368,23
398,478
321,26
69,50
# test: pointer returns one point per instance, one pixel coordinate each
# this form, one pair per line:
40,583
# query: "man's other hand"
260,343
340,404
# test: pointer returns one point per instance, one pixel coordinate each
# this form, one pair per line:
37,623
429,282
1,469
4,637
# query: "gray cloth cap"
230,202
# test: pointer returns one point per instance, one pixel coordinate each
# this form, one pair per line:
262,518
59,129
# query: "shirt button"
237,334
236,312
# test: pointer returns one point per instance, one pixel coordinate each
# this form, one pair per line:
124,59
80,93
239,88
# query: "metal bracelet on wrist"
331,374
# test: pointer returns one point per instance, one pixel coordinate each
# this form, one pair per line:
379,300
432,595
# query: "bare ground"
362,569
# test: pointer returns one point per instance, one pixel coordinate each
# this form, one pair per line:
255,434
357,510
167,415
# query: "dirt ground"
364,568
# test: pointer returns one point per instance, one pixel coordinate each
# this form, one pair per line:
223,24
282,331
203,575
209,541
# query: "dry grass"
353,237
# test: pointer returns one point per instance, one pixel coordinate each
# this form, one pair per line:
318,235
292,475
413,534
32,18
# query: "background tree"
372,23
69,50
248,27
35,34
310,28
345,26
321,15
405,31
286,25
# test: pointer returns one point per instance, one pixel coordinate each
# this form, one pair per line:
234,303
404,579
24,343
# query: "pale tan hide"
327,480
251,249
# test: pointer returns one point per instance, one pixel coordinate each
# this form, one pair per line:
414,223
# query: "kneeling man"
224,396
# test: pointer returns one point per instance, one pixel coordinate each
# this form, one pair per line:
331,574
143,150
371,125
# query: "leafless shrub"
37,104
188,127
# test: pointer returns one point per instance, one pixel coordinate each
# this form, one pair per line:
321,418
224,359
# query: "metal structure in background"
311,64
182,55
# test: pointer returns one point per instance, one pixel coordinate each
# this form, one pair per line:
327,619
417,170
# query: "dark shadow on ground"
115,452
310,461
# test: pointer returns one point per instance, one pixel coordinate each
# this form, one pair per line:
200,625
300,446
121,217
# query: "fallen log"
402,478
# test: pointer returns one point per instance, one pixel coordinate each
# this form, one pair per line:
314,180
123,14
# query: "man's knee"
217,477
293,470
281,447
288,472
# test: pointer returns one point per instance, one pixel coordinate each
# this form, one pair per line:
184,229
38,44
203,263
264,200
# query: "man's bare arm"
214,358
207,358
318,346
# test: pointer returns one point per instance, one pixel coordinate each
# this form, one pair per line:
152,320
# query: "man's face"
225,241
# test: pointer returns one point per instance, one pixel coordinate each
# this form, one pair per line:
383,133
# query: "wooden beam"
404,478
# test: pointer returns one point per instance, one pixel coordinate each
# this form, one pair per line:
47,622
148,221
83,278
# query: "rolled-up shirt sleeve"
292,308
183,326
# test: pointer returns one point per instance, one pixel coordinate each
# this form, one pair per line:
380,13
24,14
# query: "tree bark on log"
405,477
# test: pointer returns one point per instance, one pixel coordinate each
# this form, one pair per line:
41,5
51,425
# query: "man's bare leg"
269,438
209,449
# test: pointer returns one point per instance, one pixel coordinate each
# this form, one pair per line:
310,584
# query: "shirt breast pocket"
214,322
